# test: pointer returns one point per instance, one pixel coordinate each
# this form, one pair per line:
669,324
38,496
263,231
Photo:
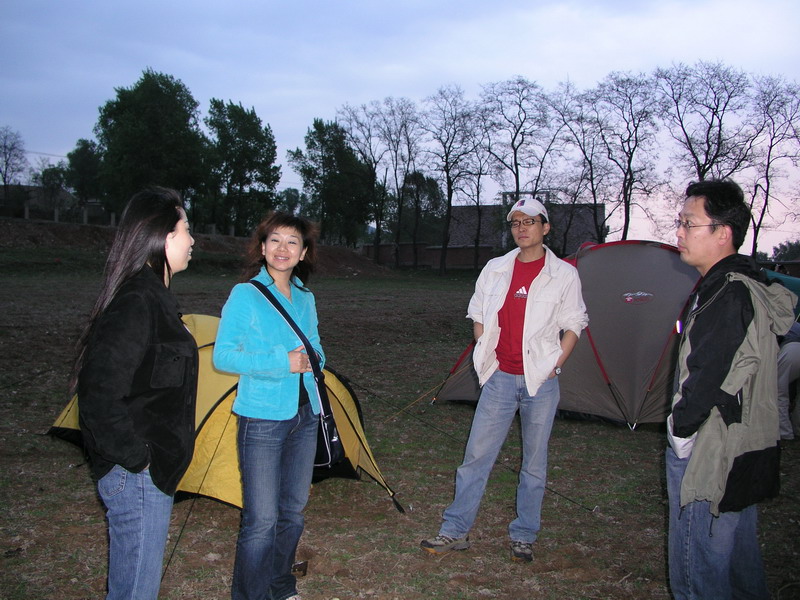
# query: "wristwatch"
557,371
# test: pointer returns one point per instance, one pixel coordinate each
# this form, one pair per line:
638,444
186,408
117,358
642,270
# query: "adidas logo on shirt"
521,292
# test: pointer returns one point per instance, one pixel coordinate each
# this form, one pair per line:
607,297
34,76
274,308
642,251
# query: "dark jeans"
276,459
711,558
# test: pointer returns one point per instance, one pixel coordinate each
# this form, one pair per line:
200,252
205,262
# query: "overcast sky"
294,60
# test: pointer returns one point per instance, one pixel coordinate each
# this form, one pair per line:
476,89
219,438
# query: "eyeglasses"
688,224
526,222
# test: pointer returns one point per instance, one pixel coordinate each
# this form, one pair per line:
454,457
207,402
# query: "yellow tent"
214,470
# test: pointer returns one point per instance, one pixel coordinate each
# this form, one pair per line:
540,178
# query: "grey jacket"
734,434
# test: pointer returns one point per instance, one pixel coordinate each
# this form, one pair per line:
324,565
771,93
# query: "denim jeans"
711,557
500,398
138,522
276,459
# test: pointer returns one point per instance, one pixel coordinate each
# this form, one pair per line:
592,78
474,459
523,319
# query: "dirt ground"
394,336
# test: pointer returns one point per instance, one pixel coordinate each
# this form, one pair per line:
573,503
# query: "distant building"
570,226
465,221
36,202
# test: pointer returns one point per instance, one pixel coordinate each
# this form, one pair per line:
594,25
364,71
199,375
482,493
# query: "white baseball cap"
529,206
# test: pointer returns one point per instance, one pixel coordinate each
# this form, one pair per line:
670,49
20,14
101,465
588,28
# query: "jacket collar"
264,277
510,258
718,274
147,277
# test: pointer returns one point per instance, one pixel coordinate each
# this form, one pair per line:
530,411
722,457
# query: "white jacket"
554,305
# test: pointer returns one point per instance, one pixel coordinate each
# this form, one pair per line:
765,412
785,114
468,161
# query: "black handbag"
329,445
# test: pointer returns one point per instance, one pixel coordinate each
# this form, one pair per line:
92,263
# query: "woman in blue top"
276,403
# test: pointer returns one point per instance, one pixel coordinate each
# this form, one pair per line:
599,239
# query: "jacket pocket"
169,364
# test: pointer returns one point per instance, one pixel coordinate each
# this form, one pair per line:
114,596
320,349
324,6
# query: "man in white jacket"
527,312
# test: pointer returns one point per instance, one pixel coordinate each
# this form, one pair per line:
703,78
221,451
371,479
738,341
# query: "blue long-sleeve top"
254,342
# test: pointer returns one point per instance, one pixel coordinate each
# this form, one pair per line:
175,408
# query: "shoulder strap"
312,354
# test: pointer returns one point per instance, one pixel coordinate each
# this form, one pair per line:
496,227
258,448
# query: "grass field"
394,336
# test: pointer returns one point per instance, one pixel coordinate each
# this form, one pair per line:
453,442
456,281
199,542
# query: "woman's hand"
298,361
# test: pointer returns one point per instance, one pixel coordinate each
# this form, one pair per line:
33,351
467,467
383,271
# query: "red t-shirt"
512,316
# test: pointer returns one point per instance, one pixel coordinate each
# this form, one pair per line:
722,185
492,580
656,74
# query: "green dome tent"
621,369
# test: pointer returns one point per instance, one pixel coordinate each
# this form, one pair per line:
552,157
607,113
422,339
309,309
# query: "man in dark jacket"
723,453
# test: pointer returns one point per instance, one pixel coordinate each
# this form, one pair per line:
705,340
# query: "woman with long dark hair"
136,380
276,403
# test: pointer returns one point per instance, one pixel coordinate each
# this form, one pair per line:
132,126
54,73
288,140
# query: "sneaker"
522,551
295,597
443,543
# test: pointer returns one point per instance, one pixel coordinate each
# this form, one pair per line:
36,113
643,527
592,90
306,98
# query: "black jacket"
722,313
138,385
726,387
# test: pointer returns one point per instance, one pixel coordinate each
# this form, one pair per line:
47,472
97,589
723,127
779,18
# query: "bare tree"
449,121
478,168
362,126
625,110
572,186
12,157
704,108
523,137
398,127
587,177
775,114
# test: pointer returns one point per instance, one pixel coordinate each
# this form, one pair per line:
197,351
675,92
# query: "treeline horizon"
630,143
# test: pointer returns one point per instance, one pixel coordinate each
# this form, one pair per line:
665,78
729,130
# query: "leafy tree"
52,180
83,171
428,206
12,157
292,201
149,134
336,182
244,173
787,251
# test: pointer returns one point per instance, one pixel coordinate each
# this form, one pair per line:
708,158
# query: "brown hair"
254,258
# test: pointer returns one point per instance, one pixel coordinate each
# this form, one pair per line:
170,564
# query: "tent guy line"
452,438
190,510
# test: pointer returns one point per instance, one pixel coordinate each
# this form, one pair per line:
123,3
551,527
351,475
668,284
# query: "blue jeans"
138,522
500,398
711,557
276,459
